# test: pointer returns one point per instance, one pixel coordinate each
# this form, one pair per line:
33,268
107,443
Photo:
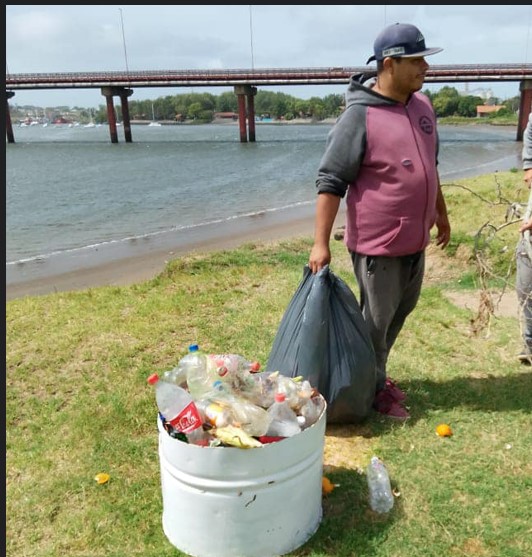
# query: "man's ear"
387,63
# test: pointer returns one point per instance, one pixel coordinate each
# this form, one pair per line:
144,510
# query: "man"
523,255
382,153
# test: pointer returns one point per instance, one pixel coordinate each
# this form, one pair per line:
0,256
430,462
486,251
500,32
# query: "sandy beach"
140,261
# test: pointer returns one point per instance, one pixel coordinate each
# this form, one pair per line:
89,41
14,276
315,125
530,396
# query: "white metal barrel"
231,502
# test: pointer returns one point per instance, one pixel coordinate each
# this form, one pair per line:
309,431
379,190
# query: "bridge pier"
525,107
243,93
123,93
9,126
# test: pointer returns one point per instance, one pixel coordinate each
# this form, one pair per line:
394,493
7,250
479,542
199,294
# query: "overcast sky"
103,38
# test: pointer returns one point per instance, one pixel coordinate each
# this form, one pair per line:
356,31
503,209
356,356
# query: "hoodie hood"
359,91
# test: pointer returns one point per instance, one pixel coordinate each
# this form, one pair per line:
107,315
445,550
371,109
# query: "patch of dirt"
504,305
440,269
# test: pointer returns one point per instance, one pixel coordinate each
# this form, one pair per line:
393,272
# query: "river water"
71,192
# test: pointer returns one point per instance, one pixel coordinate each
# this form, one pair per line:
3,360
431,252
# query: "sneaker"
394,390
525,358
385,404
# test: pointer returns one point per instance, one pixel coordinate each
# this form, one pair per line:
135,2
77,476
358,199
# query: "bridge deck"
255,77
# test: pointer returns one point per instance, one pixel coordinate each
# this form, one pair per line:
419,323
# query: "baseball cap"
400,40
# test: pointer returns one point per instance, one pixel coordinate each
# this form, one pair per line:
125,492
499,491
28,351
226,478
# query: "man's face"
409,73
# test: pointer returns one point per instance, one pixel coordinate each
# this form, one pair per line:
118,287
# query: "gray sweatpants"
523,286
389,291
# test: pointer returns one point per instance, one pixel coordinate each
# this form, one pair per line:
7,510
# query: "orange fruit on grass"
444,430
102,478
326,485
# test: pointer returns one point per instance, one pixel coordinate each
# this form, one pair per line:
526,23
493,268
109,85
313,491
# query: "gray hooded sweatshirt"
382,154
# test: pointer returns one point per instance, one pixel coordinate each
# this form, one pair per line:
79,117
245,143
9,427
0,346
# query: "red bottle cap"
153,378
280,397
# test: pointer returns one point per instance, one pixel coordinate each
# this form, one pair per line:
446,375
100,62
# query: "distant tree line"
202,107
449,102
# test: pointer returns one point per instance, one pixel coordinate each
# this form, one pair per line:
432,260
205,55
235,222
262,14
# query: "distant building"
484,110
61,120
226,115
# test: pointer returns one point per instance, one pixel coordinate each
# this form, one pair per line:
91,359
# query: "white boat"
153,122
90,124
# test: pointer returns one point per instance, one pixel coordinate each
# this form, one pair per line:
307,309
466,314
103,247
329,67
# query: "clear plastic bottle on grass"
380,491
178,409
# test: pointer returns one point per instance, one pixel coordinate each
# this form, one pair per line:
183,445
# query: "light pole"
123,39
251,35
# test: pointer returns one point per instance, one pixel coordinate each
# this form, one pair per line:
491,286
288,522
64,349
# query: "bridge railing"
287,76
514,69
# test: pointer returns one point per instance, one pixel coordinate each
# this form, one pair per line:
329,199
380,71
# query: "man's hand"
527,225
527,178
444,230
320,255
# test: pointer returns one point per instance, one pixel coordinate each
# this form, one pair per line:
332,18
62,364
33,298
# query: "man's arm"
442,220
527,151
327,206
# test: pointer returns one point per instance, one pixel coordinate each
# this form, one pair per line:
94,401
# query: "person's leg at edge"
523,286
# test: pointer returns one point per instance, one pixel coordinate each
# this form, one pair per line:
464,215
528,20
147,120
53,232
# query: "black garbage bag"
323,337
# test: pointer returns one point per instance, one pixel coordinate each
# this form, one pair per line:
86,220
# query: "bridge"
245,83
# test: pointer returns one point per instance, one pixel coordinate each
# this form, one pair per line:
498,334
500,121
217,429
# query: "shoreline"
132,260
127,264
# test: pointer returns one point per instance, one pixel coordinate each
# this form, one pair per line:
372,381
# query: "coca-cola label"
187,420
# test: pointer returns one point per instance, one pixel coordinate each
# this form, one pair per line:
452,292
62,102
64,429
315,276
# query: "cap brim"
426,52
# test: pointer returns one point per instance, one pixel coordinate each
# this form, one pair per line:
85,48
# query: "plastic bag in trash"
323,337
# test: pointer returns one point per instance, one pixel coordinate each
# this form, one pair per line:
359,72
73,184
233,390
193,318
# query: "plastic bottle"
284,420
178,409
215,413
199,379
177,375
311,410
380,491
267,384
233,364
220,407
235,371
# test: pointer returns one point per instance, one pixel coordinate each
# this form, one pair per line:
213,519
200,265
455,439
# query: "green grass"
508,120
77,403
